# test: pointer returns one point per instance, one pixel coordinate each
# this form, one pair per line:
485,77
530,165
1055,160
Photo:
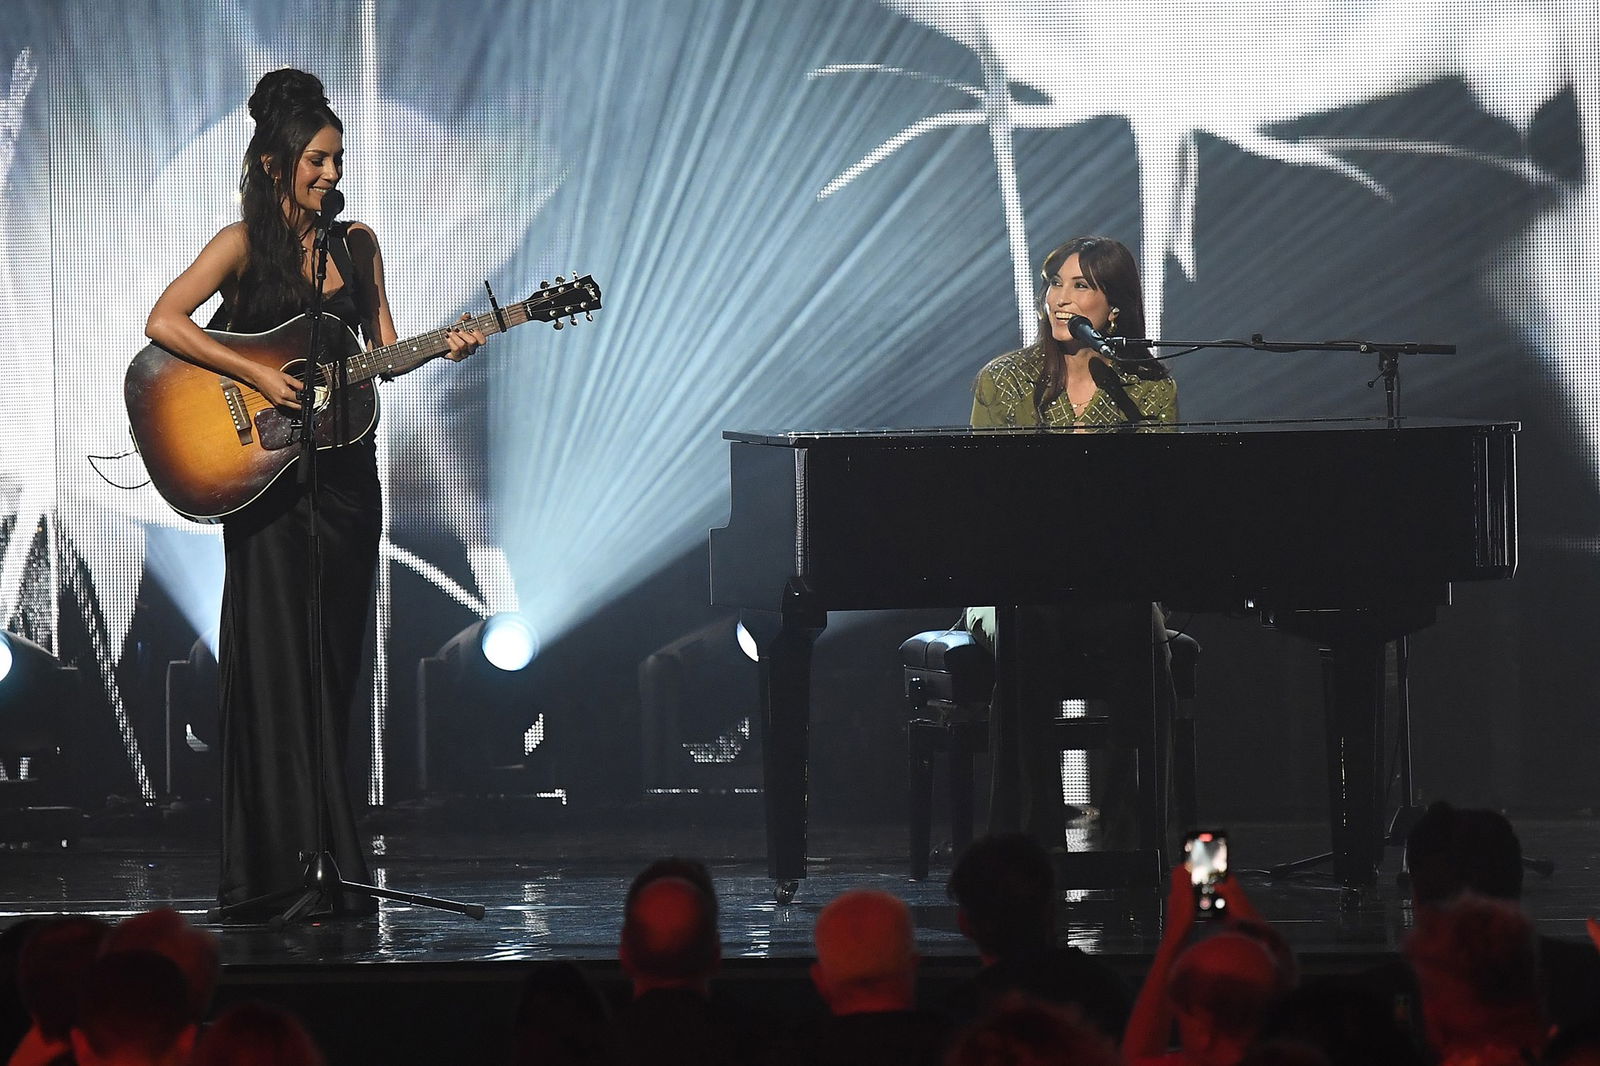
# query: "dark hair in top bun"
289,107
286,90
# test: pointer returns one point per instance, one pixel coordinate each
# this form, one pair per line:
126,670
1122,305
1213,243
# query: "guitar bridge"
236,408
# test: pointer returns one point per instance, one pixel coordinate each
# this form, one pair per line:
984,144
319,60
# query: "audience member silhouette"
1025,1032
1285,1053
256,1034
670,950
562,1020
51,971
14,1020
1453,850
1477,964
133,995
866,973
1348,1020
134,1011
1005,893
193,951
1218,989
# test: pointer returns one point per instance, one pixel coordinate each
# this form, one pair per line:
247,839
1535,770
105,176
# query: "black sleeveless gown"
269,812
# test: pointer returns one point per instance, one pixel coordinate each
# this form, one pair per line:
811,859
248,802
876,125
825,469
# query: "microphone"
332,204
1084,330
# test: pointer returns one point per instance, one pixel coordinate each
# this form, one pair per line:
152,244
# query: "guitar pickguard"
276,430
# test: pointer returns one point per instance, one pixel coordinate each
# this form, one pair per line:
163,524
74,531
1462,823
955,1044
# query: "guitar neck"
547,304
395,359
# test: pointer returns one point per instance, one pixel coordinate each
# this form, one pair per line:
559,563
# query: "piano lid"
891,436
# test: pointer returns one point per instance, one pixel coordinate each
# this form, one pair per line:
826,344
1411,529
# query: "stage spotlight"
38,697
505,641
509,641
477,727
193,728
697,705
44,738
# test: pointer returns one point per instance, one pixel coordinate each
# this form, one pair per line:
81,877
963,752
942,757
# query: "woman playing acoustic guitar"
263,267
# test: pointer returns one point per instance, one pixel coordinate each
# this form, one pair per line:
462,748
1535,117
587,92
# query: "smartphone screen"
1206,856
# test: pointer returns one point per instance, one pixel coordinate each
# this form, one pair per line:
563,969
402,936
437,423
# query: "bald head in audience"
669,931
866,954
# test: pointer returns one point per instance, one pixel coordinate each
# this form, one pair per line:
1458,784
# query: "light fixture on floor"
478,728
41,717
37,696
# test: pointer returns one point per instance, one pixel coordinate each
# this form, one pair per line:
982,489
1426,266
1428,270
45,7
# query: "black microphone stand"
1408,811
321,884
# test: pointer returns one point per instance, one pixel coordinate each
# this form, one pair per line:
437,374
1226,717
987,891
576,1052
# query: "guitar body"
212,444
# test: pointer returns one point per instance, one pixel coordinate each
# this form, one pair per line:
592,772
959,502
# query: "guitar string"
367,359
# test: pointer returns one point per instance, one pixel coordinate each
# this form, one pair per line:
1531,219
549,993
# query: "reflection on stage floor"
556,891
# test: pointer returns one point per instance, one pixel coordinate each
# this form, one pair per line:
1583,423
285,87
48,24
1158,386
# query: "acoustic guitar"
212,444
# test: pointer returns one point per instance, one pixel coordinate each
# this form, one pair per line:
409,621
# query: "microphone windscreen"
332,204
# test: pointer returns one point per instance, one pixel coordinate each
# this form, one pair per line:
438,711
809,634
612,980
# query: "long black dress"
269,815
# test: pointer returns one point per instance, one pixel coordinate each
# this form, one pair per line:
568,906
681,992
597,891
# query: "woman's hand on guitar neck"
279,388
463,342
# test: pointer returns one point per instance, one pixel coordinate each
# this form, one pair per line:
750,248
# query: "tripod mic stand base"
317,897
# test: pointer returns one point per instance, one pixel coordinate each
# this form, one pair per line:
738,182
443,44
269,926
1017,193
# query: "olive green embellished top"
1003,396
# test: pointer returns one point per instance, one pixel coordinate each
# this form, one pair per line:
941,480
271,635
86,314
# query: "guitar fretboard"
575,297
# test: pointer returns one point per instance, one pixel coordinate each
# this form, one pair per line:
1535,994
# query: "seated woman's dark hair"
1109,266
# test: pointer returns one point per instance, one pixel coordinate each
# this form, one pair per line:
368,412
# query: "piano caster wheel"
784,891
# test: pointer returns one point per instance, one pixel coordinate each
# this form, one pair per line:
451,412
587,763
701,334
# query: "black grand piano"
1349,532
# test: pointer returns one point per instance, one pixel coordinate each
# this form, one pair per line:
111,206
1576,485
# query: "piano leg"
1352,679
786,730
1353,645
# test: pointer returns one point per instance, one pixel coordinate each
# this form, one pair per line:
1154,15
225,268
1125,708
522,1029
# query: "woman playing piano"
1054,382
263,267
1061,381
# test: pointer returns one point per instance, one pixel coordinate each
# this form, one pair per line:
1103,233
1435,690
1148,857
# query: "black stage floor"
555,891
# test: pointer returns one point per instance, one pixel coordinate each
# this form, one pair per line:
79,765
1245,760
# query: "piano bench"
949,680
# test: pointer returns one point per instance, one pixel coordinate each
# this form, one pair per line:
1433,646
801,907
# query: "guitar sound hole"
321,390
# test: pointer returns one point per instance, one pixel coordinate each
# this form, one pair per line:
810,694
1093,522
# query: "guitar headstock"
565,299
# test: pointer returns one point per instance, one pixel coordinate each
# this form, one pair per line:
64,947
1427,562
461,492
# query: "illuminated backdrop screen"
812,214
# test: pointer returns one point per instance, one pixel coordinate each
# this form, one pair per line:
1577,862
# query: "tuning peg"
559,324
560,280
544,284
588,316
